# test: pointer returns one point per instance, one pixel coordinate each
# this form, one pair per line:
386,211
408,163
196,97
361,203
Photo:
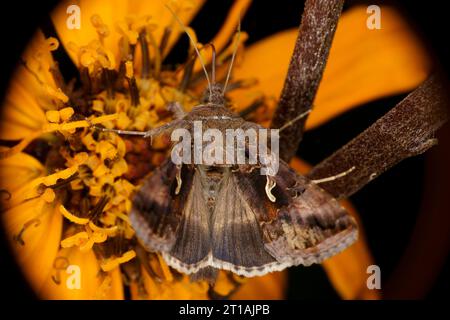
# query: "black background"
395,196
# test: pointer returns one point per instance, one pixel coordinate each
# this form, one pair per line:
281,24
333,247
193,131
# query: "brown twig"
308,61
406,130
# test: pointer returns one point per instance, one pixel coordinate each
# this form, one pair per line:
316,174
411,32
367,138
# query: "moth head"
214,95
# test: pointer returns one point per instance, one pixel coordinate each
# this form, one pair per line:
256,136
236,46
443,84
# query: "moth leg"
165,128
293,121
332,178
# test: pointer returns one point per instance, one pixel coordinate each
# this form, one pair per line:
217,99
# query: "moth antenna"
194,44
236,45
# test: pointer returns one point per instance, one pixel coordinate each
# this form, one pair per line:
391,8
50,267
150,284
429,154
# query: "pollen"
89,175
112,263
71,217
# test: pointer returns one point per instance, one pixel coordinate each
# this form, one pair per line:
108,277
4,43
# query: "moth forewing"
232,217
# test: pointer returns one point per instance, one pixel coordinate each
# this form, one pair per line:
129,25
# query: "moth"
203,218
224,217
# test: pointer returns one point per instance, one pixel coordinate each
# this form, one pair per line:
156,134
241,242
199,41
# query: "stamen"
85,79
108,231
57,76
94,215
131,35
65,182
72,218
51,127
102,29
77,239
134,91
57,94
165,269
145,72
164,40
107,74
157,62
112,263
189,67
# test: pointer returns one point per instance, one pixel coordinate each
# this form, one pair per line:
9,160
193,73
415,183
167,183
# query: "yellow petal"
182,289
229,27
347,271
363,64
235,14
41,238
269,287
18,170
43,222
93,283
22,113
114,11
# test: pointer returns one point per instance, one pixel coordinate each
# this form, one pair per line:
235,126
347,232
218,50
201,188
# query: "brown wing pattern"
193,240
245,232
304,225
157,211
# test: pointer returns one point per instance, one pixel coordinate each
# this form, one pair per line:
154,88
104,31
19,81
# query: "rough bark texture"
305,71
406,130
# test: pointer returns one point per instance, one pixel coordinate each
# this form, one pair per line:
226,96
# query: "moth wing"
192,245
304,225
157,211
237,240
173,223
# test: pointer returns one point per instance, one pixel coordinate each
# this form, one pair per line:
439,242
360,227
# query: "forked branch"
305,71
406,130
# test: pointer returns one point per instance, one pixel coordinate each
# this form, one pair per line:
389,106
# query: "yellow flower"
69,206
